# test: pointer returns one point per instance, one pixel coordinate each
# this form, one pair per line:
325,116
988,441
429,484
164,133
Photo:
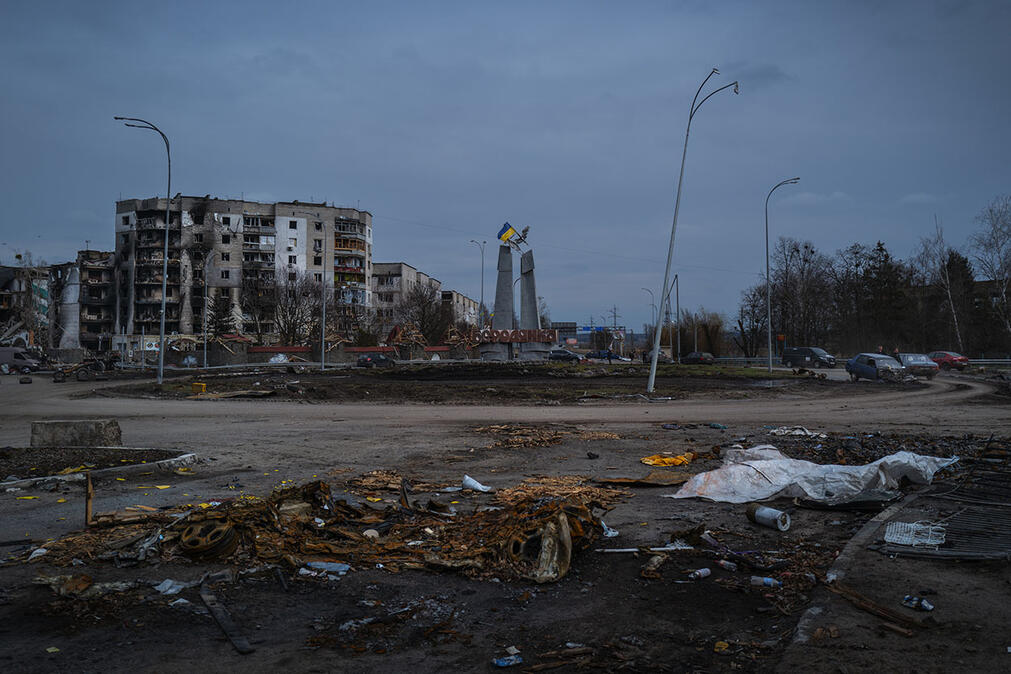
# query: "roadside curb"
164,465
835,572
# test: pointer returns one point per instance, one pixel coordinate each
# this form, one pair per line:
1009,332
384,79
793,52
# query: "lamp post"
322,330
696,104
481,311
652,304
143,124
676,287
768,285
206,261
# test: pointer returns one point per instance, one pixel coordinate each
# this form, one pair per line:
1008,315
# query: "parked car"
564,355
807,356
919,364
375,360
949,359
699,358
17,359
874,366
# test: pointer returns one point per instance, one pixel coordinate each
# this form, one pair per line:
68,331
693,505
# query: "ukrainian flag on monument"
507,232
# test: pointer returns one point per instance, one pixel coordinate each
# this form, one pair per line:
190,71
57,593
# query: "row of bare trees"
942,297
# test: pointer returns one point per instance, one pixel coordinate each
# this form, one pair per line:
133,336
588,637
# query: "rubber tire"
85,374
59,377
854,376
945,366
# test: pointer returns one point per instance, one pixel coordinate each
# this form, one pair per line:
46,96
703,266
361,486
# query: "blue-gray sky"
446,119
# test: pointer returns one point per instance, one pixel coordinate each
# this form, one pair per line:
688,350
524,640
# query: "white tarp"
762,473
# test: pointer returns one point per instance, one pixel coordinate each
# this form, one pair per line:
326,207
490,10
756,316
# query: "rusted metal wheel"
209,539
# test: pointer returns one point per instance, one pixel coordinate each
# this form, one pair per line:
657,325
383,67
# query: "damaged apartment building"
233,249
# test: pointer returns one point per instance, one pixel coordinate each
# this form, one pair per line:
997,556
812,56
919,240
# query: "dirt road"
251,445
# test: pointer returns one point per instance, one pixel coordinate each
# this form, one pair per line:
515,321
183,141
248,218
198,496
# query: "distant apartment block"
390,281
83,301
463,308
227,247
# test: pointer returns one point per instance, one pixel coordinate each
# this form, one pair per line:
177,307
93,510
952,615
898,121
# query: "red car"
949,359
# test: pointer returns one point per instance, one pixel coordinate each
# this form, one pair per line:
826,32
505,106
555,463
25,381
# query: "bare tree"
934,258
258,299
421,306
296,310
751,321
991,246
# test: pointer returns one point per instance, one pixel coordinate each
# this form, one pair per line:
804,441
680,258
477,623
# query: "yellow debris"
666,460
61,500
720,646
25,498
162,486
373,499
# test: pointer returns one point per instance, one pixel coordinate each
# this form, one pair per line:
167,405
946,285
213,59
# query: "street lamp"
652,304
143,124
481,311
206,260
768,293
696,104
676,287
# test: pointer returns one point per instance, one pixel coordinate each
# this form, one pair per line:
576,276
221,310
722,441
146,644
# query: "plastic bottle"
724,564
767,582
699,573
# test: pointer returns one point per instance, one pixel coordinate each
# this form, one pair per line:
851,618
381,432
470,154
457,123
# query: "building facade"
83,305
462,307
233,249
390,281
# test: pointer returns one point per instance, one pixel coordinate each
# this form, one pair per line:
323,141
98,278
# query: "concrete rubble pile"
530,531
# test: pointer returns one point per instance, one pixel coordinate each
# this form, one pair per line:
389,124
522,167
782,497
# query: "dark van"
807,356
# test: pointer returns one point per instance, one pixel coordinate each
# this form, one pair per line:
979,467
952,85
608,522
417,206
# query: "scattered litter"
764,581
699,574
330,567
36,553
670,427
671,547
608,531
52,649
471,483
917,534
720,646
798,431
769,517
667,460
762,473
25,498
918,603
651,569
508,661
179,602
727,566
719,427
170,587
512,650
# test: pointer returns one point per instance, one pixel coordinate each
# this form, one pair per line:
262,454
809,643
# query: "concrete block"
85,433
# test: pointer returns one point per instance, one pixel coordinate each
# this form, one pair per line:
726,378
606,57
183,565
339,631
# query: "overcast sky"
447,119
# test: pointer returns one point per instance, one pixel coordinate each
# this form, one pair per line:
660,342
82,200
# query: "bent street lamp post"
480,309
143,124
768,286
696,104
